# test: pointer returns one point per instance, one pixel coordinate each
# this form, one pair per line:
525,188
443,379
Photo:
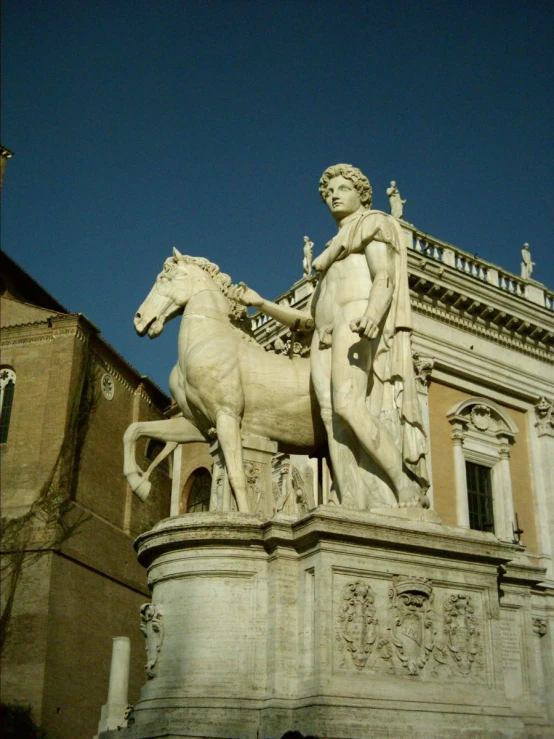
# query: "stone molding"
323,523
469,325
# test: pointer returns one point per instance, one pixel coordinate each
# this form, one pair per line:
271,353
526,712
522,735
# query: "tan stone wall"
441,400
44,368
12,312
24,653
102,487
69,606
86,611
522,487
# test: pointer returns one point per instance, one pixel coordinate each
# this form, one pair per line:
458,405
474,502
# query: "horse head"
181,277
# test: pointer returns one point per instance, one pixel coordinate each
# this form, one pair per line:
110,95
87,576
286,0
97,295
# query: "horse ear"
176,253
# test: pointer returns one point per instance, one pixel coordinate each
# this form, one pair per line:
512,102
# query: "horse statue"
223,379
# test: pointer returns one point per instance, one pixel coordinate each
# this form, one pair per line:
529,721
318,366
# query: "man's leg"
351,364
340,437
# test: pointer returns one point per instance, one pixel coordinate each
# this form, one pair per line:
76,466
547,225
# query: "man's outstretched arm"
295,319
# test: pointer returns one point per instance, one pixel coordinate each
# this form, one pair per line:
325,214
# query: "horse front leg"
230,440
172,431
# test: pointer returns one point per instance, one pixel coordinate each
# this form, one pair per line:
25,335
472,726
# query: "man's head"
358,179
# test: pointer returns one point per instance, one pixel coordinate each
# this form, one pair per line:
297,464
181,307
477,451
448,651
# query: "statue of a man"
526,264
308,255
396,202
361,360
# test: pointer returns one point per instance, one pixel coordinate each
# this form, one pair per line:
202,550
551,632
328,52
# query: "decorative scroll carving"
540,626
151,625
423,367
357,621
461,631
544,413
411,625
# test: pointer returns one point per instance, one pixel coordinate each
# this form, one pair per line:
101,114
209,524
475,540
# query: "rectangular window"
479,493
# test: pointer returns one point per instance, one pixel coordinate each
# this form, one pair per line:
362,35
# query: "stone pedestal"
342,624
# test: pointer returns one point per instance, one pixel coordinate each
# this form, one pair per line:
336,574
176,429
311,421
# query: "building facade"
70,579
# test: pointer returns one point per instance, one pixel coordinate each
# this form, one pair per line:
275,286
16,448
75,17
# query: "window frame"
483,434
8,379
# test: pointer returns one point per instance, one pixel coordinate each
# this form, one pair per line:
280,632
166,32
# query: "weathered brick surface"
70,604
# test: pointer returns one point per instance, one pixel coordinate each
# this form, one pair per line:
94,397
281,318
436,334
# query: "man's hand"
246,296
365,326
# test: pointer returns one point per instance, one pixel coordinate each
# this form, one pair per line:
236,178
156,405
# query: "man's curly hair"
359,180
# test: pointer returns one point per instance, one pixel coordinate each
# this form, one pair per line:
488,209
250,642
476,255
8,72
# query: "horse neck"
208,301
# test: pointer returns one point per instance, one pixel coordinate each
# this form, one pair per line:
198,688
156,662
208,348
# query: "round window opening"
108,386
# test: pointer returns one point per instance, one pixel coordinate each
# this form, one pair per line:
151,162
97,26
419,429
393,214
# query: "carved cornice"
488,331
44,331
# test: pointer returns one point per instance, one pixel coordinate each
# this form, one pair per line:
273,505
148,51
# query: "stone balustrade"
472,265
447,254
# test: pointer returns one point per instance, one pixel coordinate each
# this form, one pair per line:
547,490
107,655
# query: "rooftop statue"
361,359
396,202
526,264
308,256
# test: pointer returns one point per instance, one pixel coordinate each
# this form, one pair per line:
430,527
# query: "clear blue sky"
137,126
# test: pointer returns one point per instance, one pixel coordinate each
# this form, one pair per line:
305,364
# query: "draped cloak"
392,386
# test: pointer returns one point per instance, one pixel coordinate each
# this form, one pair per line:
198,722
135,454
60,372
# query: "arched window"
7,388
199,485
483,434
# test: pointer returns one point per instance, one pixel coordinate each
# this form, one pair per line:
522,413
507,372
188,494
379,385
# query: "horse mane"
238,313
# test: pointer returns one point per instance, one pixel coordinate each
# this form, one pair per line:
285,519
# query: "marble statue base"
341,624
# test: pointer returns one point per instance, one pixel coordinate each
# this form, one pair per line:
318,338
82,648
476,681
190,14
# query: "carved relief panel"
407,627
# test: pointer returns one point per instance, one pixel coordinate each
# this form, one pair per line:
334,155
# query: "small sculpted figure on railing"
526,263
396,202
